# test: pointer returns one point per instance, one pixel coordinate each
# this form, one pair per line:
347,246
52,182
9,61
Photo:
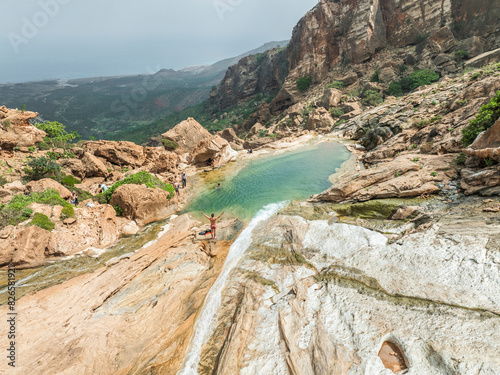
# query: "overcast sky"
42,39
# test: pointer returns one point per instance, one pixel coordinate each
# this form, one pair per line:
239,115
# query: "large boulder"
230,135
186,134
29,246
118,153
331,98
143,204
96,227
16,131
487,144
214,148
254,130
47,183
483,59
320,120
93,166
160,160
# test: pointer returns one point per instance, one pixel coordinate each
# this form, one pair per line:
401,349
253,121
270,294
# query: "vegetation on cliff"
486,117
17,211
42,221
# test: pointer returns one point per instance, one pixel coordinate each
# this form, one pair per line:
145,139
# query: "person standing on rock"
213,223
177,186
74,198
184,179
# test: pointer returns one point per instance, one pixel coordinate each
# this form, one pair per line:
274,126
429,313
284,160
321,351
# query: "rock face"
47,183
346,32
320,120
215,149
316,298
331,98
119,153
106,316
230,135
400,178
487,144
142,204
262,73
93,167
186,134
16,131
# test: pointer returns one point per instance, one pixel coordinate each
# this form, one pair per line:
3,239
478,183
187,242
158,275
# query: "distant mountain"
112,107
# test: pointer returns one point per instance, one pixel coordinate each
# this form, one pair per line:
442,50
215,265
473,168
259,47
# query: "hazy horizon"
65,39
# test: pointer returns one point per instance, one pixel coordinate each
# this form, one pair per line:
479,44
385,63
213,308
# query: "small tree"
303,83
42,167
56,133
169,145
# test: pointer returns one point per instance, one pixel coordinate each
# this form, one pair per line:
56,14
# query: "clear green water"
293,175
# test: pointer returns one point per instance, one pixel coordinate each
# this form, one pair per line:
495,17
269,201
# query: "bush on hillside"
56,133
67,212
488,114
414,80
372,98
303,83
42,221
169,145
139,178
42,167
375,76
16,210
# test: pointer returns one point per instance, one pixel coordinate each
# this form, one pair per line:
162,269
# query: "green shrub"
372,98
43,146
70,181
118,210
10,216
16,211
461,54
460,160
42,167
139,178
336,112
263,133
414,80
303,83
395,89
67,212
476,76
56,133
53,155
169,145
3,181
376,76
489,162
6,123
32,149
402,69
434,174
336,85
488,114
42,221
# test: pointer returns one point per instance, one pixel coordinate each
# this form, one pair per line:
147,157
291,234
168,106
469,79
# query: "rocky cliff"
338,33
262,73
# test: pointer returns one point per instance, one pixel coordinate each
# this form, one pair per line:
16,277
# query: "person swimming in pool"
213,223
